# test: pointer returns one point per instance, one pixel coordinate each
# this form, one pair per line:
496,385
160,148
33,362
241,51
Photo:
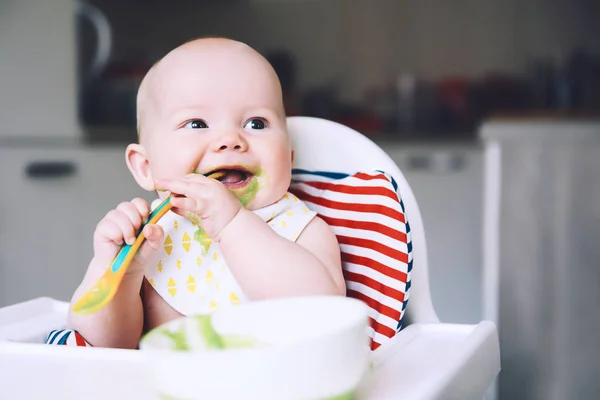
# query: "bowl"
293,348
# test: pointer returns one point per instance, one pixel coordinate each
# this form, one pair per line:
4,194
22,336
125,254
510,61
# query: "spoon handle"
106,287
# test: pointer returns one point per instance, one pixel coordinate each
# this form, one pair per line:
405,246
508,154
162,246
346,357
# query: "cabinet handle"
50,169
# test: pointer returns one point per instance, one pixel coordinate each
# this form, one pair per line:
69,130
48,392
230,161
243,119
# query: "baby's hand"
203,200
121,226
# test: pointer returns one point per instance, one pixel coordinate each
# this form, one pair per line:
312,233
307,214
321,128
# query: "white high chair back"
325,145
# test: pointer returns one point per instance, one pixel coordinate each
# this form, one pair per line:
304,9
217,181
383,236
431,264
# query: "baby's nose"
231,141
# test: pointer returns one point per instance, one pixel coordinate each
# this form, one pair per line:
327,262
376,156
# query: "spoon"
106,287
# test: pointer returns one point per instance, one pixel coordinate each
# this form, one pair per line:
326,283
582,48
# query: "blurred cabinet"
52,199
541,255
447,181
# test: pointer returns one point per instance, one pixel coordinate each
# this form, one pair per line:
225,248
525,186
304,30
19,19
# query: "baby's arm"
267,265
120,322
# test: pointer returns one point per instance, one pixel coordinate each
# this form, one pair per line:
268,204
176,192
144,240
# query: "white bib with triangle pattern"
190,273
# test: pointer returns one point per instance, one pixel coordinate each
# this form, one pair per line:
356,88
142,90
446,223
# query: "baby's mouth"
234,177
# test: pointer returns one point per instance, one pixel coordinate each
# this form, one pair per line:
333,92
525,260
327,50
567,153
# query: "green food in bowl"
194,333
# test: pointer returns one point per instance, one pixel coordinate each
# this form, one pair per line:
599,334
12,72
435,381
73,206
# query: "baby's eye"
196,124
256,123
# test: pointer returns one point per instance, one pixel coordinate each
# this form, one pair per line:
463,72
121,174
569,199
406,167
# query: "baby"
210,105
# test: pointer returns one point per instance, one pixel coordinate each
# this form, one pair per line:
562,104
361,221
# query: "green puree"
248,192
179,340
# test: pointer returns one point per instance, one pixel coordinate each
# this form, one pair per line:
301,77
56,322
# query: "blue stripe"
404,303
52,332
55,335
63,340
395,185
324,174
400,323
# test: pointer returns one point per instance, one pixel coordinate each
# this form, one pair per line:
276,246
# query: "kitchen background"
419,77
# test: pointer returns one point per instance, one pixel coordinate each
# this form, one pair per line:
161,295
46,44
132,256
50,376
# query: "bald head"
215,65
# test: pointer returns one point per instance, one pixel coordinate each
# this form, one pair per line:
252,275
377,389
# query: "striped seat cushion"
66,337
366,213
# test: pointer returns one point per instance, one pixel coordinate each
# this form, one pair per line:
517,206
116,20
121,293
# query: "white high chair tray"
424,361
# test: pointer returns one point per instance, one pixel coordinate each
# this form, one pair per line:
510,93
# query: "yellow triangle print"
178,264
206,245
283,224
186,242
151,281
213,306
160,268
290,213
234,299
286,196
191,283
217,285
305,210
199,261
215,256
172,287
209,277
168,245
176,225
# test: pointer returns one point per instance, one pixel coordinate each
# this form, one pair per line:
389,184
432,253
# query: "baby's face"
219,109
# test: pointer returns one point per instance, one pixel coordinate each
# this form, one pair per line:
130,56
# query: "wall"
37,69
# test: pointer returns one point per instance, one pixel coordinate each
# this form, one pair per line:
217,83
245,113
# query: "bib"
189,271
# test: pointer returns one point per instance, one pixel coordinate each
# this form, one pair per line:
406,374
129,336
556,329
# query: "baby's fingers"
184,204
186,187
142,207
154,237
124,223
109,231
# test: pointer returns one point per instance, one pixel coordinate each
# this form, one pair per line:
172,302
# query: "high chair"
427,359
423,359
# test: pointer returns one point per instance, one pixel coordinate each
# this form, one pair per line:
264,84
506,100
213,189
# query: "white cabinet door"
51,201
39,223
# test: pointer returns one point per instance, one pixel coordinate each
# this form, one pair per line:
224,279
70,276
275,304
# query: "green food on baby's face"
247,193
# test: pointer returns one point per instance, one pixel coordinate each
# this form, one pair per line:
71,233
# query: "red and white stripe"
364,212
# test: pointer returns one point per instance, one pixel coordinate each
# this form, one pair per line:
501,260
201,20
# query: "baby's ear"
139,166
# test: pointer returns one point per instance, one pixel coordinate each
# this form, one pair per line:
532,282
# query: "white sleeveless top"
190,273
